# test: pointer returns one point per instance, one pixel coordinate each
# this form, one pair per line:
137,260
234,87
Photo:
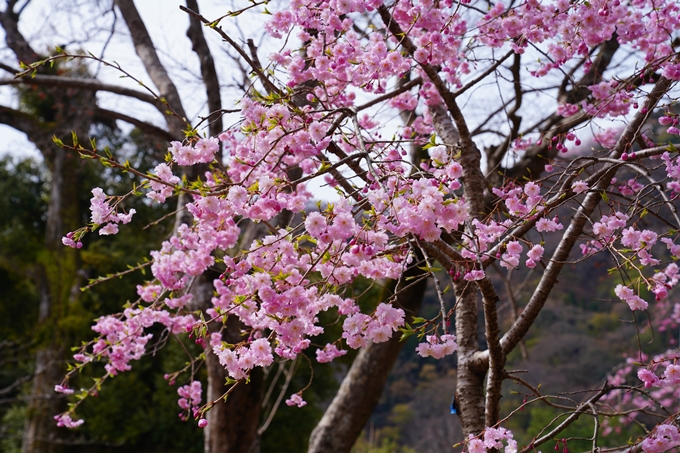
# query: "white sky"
47,23
86,25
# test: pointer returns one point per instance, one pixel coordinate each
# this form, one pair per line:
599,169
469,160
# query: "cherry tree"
472,137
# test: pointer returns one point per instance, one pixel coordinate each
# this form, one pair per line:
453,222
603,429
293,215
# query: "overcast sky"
87,25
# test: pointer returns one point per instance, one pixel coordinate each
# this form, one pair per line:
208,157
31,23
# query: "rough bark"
361,388
470,381
56,275
84,84
56,269
470,378
152,64
208,71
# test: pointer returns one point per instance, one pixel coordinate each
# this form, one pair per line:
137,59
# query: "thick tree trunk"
55,277
40,430
232,424
360,390
470,381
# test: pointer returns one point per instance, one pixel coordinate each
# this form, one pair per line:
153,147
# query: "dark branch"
208,71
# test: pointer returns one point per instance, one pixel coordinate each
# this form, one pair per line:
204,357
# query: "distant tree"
250,270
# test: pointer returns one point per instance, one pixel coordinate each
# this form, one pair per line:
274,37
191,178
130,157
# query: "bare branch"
147,53
146,127
208,71
496,355
569,420
84,84
13,37
269,85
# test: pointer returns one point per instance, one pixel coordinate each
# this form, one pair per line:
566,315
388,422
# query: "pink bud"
202,423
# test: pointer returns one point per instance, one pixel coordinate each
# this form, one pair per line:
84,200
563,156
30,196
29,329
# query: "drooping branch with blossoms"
531,85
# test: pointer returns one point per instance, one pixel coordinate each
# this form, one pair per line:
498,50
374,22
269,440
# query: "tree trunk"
55,277
470,381
232,424
360,390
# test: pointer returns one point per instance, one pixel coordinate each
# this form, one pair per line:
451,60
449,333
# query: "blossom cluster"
492,440
296,400
437,347
664,438
124,339
190,398
663,387
103,216
359,328
65,420
239,361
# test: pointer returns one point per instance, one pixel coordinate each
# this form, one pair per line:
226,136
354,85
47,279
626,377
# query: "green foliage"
138,409
135,404
381,445
23,205
11,427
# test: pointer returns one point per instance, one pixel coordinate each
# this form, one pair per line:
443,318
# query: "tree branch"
208,71
592,199
433,75
269,85
569,420
534,159
13,37
142,125
496,357
20,121
147,53
84,84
